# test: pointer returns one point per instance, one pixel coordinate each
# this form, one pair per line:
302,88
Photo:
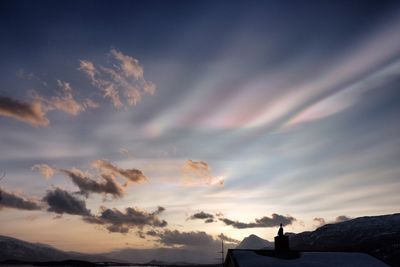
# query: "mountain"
254,242
15,249
375,235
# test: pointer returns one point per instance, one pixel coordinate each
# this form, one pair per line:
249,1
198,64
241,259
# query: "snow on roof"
249,258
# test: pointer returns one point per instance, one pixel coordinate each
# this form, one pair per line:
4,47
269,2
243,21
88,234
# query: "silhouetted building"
281,241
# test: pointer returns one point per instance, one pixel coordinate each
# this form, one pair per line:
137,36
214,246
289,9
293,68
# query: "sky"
147,124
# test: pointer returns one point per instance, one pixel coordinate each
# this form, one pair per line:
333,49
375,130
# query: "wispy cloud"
122,80
273,221
65,101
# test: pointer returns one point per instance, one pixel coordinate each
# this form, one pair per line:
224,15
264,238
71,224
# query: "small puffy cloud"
199,173
152,233
132,175
87,185
61,201
273,221
16,201
342,218
45,170
125,152
122,221
121,80
32,113
319,221
207,217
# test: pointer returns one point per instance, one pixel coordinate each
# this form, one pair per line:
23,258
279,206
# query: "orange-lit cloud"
32,113
132,175
122,81
17,201
197,173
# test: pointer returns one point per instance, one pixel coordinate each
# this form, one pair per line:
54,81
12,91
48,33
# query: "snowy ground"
309,259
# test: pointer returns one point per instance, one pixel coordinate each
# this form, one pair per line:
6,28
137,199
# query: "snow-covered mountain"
376,235
15,249
254,242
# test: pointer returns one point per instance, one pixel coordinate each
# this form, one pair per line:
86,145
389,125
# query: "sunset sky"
163,123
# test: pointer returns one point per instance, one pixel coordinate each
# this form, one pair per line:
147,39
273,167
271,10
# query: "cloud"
342,218
319,221
175,237
35,113
199,173
45,170
125,152
16,201
87,185
65,101
152,233
32,113
118,221
273,221
132,175
207,217
338,219
61,201
228,239
122,80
